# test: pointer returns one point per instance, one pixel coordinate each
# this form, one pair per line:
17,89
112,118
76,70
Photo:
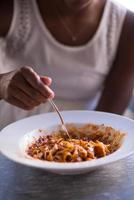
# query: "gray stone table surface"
112,182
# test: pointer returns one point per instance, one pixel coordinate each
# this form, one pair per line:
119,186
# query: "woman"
85,46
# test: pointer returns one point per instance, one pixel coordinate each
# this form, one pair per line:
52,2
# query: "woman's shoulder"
128,29
6,13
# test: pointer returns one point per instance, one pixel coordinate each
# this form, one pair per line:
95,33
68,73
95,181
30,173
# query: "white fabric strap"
21,26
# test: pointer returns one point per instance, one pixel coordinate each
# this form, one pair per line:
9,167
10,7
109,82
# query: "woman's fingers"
46,80
16,102
34,80
23,97
23,85
24,88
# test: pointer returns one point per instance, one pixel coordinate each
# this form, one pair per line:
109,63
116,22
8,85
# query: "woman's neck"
68,27
74,6
67,8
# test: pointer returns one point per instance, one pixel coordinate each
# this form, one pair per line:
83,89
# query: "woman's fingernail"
46,80
51,96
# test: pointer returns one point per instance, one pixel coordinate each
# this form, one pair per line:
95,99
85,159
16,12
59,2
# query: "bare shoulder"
126,45
127,36
6,13
129,18
124,60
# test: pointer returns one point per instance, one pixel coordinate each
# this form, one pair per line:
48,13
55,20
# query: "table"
112,182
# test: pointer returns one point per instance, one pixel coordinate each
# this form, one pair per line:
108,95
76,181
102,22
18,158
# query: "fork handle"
61,118
56,109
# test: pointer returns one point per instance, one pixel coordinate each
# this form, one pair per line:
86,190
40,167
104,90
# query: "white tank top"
78,73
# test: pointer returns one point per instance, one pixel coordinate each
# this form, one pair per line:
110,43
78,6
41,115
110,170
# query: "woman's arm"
6,13
120,81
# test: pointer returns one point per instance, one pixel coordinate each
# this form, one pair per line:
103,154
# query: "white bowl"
14,138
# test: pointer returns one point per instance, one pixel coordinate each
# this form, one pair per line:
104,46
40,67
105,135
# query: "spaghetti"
87,142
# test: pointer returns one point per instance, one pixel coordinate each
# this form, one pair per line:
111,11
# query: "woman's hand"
24,88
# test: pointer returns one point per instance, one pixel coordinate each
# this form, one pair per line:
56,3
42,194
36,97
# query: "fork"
60,116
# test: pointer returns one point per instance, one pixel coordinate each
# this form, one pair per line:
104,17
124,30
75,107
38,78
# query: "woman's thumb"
46,80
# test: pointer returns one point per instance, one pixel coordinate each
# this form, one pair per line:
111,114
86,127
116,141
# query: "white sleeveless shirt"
78,73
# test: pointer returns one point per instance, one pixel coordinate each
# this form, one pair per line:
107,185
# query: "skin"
24,88
120,80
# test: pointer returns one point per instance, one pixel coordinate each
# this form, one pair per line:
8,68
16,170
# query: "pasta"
87,142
